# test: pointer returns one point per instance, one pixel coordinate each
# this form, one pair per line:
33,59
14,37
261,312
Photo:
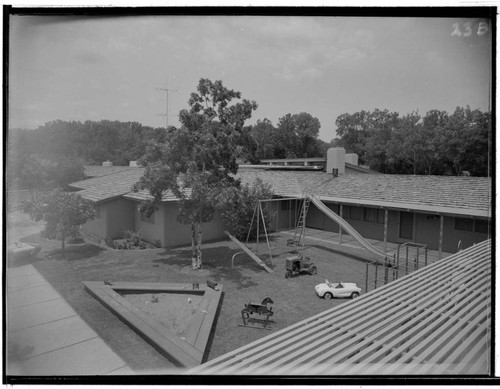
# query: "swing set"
294,219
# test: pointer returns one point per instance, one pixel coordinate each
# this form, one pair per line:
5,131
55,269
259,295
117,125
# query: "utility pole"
166,114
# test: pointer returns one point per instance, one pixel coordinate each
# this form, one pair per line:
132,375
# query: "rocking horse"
260,309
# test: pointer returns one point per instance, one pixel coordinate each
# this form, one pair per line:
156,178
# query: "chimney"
335,161
107,163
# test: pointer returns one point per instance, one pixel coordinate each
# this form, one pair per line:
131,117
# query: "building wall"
98,226
120,214
151,229
369,222
356,218
112,218
427,230
452,235
120,217
170,232
284,214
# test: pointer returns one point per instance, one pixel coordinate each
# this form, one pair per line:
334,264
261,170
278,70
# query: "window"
373,215
97,209
334,208
146,219
482,226
463,224
355,213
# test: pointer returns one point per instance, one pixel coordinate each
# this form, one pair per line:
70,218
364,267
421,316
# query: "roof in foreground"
435,321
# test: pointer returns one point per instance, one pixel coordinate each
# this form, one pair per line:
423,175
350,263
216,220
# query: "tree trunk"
199,262
193,246
63,236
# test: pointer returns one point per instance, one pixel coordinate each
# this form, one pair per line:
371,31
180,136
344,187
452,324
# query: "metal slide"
249,252
346,227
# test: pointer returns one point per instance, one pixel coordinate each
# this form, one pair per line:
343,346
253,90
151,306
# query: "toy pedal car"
329,290
299,264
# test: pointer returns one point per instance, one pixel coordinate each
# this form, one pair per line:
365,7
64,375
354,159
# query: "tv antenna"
167,90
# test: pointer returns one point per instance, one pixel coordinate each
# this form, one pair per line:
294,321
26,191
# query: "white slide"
346,227
249,252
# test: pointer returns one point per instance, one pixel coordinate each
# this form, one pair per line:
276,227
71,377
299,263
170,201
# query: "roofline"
450,211
101,200
410,207
283,160
284,167
130,196
361,169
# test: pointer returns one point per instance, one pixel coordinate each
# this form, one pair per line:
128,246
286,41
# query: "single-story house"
445,213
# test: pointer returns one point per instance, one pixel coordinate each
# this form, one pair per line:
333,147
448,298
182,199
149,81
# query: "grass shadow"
29,260
216,260
74,253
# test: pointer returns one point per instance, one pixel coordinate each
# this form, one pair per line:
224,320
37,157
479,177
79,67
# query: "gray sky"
81,69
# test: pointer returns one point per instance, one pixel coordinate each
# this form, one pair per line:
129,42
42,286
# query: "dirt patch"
173,311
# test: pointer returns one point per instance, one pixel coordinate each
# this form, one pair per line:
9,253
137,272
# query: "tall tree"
381,126
198,160
353,131
265,135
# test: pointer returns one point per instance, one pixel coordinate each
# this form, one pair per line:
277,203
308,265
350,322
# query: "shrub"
110,242
237,206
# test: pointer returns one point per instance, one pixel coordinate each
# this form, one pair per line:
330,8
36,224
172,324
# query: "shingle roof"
106,187
142,195
115,181
98,171
453,195
436,320
468,195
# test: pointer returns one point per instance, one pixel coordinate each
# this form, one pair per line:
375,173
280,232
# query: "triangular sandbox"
174,318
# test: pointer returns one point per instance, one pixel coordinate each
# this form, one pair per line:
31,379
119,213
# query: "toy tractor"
299,264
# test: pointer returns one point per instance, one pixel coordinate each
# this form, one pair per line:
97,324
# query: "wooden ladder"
301,224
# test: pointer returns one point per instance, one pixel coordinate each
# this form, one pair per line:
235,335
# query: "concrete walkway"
332,238
44,335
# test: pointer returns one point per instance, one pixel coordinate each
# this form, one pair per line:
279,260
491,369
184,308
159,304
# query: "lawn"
294,298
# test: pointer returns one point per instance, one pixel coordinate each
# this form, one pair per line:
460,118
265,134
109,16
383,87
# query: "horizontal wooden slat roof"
435,321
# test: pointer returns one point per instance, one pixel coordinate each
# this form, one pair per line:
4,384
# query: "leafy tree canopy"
237,206
199,159
63,214
437,143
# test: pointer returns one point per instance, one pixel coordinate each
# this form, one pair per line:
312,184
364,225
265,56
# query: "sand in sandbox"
172,310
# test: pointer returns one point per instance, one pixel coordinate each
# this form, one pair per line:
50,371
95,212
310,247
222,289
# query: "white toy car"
341,289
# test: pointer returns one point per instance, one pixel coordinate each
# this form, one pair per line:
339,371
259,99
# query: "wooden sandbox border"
185,352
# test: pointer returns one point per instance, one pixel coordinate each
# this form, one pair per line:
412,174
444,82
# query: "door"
406,225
